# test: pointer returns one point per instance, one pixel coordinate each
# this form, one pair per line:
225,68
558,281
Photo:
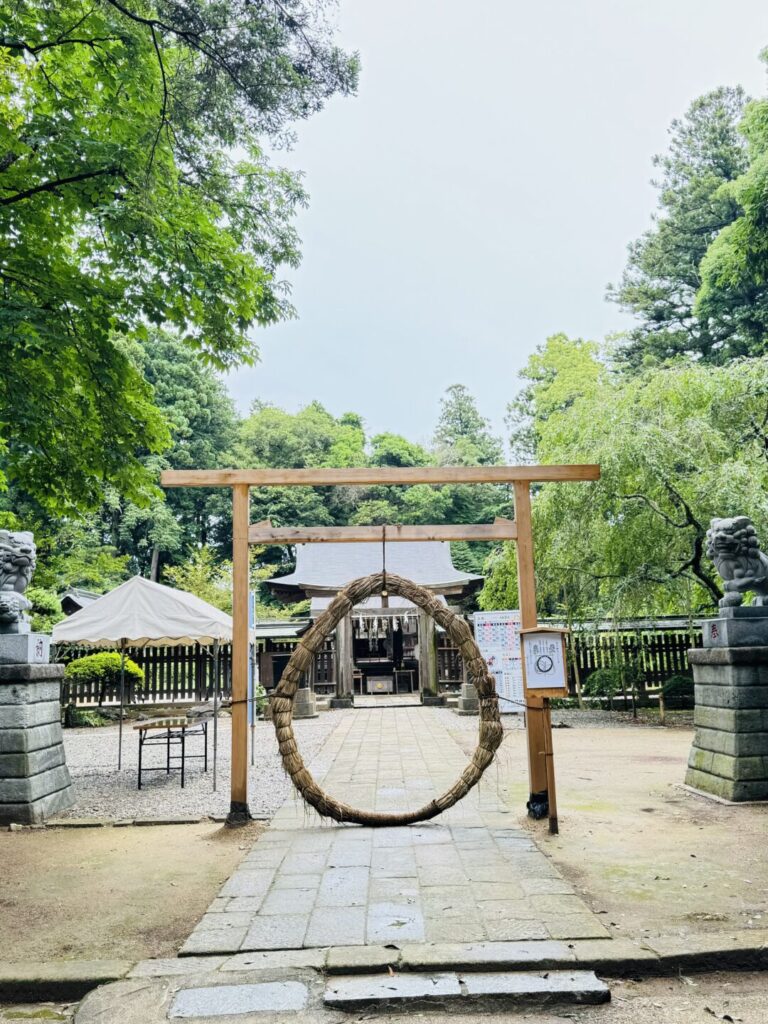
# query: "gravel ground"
573,718
592,718
103,792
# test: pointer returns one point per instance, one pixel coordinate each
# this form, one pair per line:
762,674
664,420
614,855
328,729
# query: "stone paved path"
469,876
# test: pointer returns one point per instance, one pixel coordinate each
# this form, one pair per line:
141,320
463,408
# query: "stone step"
467,990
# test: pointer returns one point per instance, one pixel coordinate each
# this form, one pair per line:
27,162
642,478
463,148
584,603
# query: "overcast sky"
480,191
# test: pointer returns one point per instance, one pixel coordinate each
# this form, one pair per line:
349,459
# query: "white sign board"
497,634
544,655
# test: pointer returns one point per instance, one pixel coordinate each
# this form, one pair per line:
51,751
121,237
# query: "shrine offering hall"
386,645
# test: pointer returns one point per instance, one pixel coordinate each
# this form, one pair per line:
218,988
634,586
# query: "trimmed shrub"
103,670
603,682
678,693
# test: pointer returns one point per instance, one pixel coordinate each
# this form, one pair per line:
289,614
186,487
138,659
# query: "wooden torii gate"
243,534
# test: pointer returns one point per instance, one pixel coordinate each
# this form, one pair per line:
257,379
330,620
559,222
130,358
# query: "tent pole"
252,695
122,698
215,706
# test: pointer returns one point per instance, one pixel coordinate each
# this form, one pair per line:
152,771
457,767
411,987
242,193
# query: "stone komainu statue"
17,563
733,546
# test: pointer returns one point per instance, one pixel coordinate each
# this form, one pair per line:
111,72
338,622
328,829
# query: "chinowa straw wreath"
490,730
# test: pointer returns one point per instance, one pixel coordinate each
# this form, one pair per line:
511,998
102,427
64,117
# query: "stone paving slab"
450,991
230,1000
470,876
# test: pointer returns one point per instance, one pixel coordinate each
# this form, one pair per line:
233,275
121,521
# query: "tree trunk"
155,566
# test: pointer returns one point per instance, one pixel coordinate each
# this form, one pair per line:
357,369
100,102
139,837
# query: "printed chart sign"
497,634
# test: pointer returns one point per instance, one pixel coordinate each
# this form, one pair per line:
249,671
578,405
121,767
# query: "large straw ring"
490,731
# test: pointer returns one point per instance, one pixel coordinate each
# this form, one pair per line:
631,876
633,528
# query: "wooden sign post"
243,534
545,675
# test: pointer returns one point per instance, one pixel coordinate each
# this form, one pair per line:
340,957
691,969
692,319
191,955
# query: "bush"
260,698
678,693
603,682
103,670
78,718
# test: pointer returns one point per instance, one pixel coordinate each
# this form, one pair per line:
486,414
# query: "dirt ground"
111,893
645,853
649,857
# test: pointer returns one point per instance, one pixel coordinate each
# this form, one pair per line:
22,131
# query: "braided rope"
490,730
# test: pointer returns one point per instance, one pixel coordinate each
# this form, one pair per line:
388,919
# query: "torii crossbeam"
243,534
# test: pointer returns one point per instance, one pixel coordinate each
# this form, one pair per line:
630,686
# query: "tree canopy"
734,271
663,275
677,445
134,190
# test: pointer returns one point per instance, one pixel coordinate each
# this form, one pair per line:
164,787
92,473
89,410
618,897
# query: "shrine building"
384,646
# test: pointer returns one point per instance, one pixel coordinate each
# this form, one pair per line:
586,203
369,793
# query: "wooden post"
427,654
239,813
345,665
554,827
536,714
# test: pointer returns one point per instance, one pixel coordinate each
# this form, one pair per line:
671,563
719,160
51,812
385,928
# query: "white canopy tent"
140,613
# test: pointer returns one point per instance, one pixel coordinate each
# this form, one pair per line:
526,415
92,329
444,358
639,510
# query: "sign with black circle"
544,661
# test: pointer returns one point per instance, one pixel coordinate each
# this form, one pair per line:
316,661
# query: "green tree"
663,275
134,191
733,294
395,450
558,372
463,436
205,577
203,426
677,445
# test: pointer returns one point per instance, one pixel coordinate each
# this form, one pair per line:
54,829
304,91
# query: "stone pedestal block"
468,700
25,648
34,779
737,627
304,703
729,756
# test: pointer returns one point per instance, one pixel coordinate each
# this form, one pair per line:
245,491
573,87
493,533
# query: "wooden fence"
171,674
658,653
185,674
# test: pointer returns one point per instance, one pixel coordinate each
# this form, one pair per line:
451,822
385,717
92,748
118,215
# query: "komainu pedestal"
34,779
729,756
